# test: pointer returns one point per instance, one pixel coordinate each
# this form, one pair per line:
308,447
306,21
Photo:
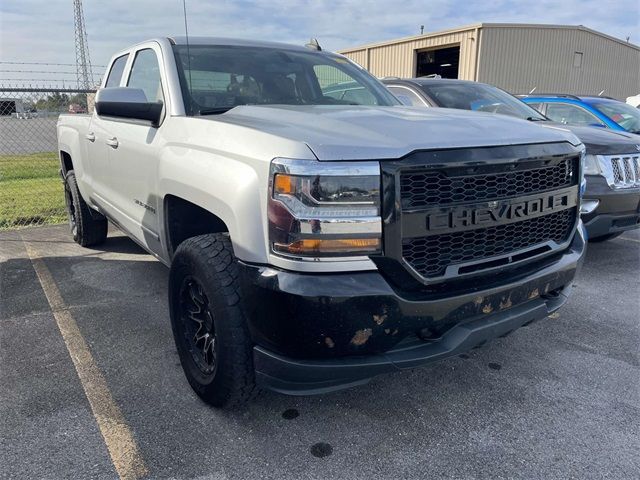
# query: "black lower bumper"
605,224
318,333
617,211
291,376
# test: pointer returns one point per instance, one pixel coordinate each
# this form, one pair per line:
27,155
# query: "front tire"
209,327
87,226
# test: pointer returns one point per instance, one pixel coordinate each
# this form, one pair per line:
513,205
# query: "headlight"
591,165
323,209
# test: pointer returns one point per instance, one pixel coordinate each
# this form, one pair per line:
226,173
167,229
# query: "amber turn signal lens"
335,246
284,184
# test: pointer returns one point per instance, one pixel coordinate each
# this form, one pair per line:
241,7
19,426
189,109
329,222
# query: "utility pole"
84,74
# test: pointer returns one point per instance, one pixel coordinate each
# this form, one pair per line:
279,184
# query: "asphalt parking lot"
557,399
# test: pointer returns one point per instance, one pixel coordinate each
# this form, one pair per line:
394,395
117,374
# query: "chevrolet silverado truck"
313,241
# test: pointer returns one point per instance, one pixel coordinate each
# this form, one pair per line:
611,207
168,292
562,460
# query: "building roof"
488,25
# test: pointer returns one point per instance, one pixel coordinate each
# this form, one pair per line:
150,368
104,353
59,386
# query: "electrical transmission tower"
84,74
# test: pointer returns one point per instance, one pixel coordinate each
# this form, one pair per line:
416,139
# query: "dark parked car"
612,165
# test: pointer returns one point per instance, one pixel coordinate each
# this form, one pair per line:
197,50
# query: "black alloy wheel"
198,325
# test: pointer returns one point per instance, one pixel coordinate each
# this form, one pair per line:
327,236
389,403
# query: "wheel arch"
188,212
184,219
66,162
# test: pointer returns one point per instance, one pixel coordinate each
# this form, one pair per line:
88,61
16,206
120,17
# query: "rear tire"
209,326
88,227
604,238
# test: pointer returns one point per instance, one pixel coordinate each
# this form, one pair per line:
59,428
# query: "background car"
77,108
634,101
611,201
587,111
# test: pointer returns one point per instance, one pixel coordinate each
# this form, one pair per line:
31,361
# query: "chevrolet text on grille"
502,212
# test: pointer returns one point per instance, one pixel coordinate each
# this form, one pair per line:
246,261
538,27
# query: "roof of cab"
425,81
593,98
235,42
570,98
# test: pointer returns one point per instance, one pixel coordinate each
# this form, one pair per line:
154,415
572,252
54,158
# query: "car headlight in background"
324,209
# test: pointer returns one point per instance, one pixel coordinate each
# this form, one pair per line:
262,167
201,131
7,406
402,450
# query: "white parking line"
628,239
117,435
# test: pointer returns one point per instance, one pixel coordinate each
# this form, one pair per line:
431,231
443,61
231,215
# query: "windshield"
216,78
622,113
480,98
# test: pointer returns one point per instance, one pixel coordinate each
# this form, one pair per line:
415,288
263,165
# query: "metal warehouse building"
515,57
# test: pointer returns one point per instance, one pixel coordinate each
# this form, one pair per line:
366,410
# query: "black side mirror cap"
127,102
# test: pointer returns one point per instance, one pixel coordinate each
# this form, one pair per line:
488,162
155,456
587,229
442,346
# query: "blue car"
587,111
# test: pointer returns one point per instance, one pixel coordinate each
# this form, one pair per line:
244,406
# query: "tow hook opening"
553,294
430,335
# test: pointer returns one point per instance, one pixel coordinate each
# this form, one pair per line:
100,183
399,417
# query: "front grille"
424,188
430,256
622,171
454,214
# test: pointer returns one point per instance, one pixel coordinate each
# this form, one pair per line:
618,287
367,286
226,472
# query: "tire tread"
92,226
216,251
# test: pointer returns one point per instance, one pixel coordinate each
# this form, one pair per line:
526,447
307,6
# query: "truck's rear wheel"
209,328
87,226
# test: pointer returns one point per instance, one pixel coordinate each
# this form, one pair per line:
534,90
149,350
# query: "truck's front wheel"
209,327
87,227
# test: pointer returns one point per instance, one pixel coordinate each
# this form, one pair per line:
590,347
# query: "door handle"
90,136
112,142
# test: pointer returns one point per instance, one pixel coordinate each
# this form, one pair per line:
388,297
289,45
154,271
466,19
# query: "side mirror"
126,102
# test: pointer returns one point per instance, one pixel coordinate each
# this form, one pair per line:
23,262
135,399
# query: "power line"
45,63
38,71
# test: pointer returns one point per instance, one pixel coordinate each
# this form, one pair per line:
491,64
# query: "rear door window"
115,74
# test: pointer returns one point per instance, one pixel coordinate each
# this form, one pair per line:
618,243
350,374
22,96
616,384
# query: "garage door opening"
443,62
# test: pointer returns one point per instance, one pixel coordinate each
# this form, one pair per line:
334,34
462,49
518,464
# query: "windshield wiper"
215,110
536,119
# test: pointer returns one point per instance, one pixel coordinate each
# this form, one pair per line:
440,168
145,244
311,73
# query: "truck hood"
359,132
600,141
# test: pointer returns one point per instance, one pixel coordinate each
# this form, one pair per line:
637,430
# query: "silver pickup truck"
315,240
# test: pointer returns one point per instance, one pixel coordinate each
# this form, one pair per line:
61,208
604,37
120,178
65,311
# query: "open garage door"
443,62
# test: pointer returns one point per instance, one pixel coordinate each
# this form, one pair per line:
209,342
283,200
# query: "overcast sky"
42,30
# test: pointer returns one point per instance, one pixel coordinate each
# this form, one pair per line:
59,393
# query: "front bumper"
617,211
318,333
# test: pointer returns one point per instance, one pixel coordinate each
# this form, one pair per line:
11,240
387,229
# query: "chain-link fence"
31,192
